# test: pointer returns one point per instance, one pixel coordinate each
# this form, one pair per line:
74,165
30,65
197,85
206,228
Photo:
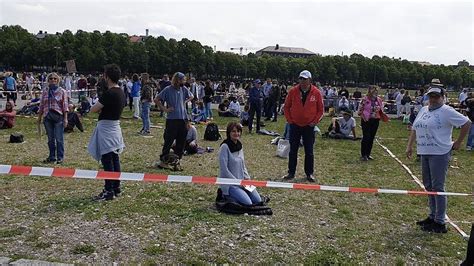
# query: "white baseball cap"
305,74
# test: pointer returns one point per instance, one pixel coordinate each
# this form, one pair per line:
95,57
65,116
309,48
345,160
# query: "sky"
440,32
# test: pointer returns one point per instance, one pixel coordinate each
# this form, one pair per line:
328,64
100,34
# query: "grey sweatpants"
434,169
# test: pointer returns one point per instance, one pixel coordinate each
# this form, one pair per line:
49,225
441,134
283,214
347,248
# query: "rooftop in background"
42,34
422,63
285,51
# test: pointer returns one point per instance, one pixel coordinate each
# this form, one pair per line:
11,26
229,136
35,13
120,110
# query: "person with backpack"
176,96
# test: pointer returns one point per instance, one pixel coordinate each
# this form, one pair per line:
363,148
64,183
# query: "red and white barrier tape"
153,177
33,91
417,180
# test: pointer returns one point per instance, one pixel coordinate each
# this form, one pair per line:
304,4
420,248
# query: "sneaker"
468,148
117,192
435,228
288,177
60,161
310,178
370,158
104,195
425,222
364,158
163,165
49,160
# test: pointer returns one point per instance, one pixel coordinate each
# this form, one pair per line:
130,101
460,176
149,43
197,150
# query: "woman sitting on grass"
232,165
199,113
7,116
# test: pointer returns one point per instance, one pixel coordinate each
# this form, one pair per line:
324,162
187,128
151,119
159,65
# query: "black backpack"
16,138
212,132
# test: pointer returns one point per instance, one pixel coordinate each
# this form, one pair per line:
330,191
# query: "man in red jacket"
304,108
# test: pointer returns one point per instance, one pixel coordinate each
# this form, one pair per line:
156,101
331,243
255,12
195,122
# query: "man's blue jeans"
146,115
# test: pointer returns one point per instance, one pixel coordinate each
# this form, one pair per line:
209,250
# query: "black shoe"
117,192
370,158
364,158
59,161
274,120
425,222
104,195
310,178
288,177
267,119
435,228
49,160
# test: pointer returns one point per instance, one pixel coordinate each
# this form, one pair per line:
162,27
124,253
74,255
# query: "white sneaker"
468,148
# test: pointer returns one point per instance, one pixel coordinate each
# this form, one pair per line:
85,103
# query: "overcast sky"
440,32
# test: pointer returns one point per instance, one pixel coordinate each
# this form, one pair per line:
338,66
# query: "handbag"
383,116
54,116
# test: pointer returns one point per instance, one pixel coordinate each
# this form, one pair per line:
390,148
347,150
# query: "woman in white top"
432,129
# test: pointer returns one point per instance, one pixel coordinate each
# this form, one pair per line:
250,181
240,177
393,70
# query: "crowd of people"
186,102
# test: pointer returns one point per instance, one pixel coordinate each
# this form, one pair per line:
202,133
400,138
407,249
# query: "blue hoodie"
135,91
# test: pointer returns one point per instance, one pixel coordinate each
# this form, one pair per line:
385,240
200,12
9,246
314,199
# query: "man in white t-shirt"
463,96
398,102
342,127
234,107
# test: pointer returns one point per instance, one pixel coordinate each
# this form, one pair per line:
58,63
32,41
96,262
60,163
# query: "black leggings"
111,163
369,130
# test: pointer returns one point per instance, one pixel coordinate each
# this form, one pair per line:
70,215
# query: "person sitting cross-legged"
342,127
223,109
199,113
7,116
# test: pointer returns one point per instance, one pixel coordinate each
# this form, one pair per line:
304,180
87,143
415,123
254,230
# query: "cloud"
160,28
30,8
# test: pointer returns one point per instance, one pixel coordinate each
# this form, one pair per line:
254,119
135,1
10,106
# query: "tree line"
23,51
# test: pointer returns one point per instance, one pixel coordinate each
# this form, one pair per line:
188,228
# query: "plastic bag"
283,148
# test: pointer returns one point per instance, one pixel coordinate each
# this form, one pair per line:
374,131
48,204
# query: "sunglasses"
53,79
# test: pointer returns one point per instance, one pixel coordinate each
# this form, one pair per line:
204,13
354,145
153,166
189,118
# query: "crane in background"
241,49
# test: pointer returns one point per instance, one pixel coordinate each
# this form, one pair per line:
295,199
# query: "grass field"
152,223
